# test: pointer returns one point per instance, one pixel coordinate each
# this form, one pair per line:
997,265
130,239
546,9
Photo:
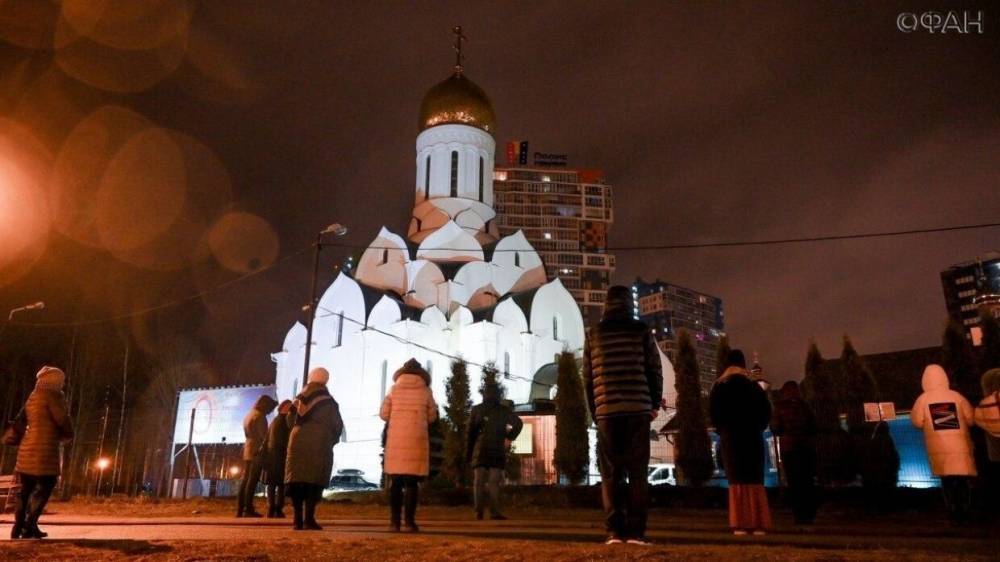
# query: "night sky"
712,121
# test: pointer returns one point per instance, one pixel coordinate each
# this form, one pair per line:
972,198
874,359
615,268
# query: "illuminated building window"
427,178
454,173
481,183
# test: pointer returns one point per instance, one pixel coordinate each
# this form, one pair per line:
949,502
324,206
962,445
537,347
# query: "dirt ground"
405,549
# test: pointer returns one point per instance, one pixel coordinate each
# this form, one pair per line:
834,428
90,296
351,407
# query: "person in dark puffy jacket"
740,412
793,423
274,464
38,456
316,426
492,425
254,451
624,385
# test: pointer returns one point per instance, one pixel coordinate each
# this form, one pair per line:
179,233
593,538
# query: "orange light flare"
24,213
102,463
234,470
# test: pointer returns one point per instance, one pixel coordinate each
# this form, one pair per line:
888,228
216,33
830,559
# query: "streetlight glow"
102,463
234,470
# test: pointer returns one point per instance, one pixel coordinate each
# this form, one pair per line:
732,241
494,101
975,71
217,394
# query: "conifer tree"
857,384
990,342
956,358
457,412
821,392
694,451
572,454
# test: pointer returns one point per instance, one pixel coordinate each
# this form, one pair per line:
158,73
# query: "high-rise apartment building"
565,214
970,288
669,308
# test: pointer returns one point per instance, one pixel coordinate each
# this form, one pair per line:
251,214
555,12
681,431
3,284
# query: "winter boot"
297,515
310,523
410,509
18,528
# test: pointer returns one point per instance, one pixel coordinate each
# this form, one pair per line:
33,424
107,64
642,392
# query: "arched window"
430,367
481,179
506,363
555,327
454,173
295,388
385,377
427,178
517,259
385,256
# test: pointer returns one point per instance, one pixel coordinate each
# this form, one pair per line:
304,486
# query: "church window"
454,173
517,259
340,328
430,367
385,377
506,363
481,178
555,328
427,178
385,256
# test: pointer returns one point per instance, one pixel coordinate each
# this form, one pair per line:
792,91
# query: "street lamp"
35,306
336,229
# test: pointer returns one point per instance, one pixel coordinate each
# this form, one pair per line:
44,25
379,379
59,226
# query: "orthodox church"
451,287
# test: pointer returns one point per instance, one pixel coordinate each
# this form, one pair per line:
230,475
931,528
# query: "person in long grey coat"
316,427
38,464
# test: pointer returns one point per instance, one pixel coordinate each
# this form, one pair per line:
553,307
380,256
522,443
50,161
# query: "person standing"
254,451
623,381
407,409
274,467
316,426
945,416
987,417
492,425
740,412
38,456
793,423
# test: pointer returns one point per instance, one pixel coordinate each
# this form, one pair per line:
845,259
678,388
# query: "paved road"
225,528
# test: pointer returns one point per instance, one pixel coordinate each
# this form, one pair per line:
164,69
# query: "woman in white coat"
407,409
946,416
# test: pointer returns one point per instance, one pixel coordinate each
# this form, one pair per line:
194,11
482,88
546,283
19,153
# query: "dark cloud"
712,121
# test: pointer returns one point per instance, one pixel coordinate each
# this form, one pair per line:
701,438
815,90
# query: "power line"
681,246
726,243
170,304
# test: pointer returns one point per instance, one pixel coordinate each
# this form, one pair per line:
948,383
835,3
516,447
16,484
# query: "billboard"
218,413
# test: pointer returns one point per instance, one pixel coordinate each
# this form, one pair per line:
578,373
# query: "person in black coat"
274,463
793,423
492,425
740,412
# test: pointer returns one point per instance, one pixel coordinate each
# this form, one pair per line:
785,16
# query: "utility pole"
187,462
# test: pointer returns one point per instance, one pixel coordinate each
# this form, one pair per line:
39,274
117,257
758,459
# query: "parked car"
662,474
348,483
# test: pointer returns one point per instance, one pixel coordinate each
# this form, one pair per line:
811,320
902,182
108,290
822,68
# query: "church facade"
452,287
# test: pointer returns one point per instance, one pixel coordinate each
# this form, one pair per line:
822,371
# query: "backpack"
988,414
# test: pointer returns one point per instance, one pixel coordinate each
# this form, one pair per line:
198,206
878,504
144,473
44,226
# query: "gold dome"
457,100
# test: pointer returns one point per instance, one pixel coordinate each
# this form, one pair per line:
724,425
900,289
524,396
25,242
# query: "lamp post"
310,309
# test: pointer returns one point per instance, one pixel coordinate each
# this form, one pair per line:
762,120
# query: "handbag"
988,414
13,430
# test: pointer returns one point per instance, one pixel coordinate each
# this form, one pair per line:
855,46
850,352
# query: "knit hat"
51,378
319,375
618,301
412,367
